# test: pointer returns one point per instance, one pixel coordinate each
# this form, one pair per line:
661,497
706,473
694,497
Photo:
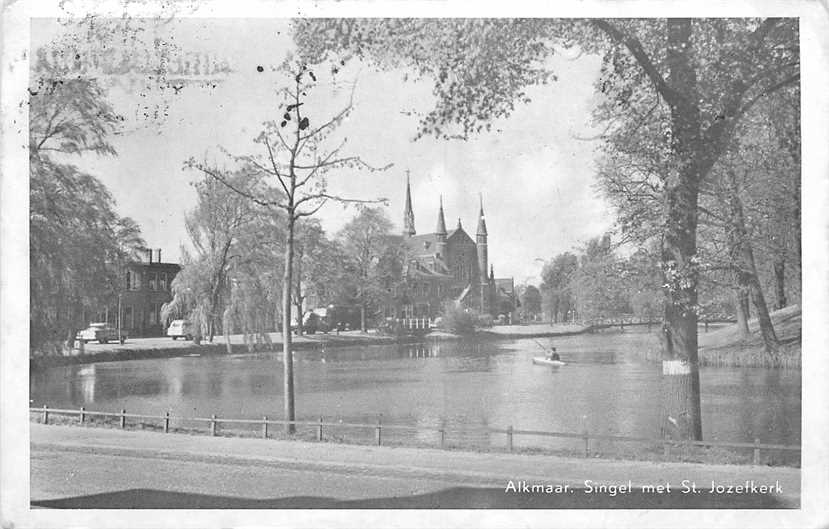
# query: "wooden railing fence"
510,433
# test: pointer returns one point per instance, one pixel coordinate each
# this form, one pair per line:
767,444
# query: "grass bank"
726,347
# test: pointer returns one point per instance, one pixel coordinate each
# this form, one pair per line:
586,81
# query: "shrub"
459,320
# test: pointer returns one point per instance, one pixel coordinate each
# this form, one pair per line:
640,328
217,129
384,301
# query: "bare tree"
297,157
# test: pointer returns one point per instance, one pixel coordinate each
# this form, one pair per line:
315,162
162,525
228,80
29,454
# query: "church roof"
408,214
425,243
441,227
481,221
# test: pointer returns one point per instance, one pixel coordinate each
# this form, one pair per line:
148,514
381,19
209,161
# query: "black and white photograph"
312,266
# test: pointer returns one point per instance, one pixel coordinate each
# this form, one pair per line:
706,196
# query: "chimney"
149,255
159,256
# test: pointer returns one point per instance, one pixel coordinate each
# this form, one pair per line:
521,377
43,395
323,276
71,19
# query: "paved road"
78,467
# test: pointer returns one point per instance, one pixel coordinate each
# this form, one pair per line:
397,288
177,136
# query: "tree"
78,243
364,240
256,279
202,286
703,75
293,168
531,300
557,276
317,266
597,285
641,276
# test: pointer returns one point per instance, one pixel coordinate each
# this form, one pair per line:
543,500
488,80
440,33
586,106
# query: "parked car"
180,329
102,333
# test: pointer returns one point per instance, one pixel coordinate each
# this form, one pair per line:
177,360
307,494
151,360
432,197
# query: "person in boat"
553,355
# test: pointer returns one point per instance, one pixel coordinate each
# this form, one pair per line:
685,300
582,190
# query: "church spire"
481,221
441,228
408,214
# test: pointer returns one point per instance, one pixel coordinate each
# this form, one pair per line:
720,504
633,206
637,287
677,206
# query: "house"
144,289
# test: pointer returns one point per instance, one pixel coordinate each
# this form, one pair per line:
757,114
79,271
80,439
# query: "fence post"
756,451
442,433
319,430
213,425
166,421
264,427
45,414
123,418
80,415
586,436
379,428
509,438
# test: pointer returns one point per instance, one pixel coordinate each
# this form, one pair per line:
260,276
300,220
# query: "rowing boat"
540,360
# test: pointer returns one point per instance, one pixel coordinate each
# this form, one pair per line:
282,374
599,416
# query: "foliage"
598,285
78,243
214,226
289,174
459,320
557,278
366,242
531,300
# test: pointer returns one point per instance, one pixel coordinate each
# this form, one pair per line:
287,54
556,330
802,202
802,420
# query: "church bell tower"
440,233
408,214
483,256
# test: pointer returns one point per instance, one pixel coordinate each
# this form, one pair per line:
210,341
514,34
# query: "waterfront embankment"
165,347
727,347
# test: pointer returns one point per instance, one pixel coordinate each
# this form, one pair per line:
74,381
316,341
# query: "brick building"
145,288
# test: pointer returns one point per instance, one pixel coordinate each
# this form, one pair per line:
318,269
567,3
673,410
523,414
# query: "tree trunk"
300,329
287,358
743,314
226,329
363,318
780,281
680,364
746,268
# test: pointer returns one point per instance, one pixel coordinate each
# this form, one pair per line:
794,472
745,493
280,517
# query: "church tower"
408,214
440,233
483,256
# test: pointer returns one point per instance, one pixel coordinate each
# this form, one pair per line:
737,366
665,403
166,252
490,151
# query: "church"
449,266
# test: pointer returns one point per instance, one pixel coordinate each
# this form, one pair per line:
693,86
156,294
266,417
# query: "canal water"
467,385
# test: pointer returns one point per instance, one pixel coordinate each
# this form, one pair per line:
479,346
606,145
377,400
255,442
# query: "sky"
534,170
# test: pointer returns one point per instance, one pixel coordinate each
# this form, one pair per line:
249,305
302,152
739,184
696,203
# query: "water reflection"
466,385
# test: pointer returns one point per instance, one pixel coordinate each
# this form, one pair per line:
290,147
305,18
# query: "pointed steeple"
491,273
408,214
481,221
441,227
459,224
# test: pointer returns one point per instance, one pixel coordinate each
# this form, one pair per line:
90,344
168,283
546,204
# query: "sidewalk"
492,471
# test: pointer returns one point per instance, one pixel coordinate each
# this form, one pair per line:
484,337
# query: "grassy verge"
625,450
726,347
